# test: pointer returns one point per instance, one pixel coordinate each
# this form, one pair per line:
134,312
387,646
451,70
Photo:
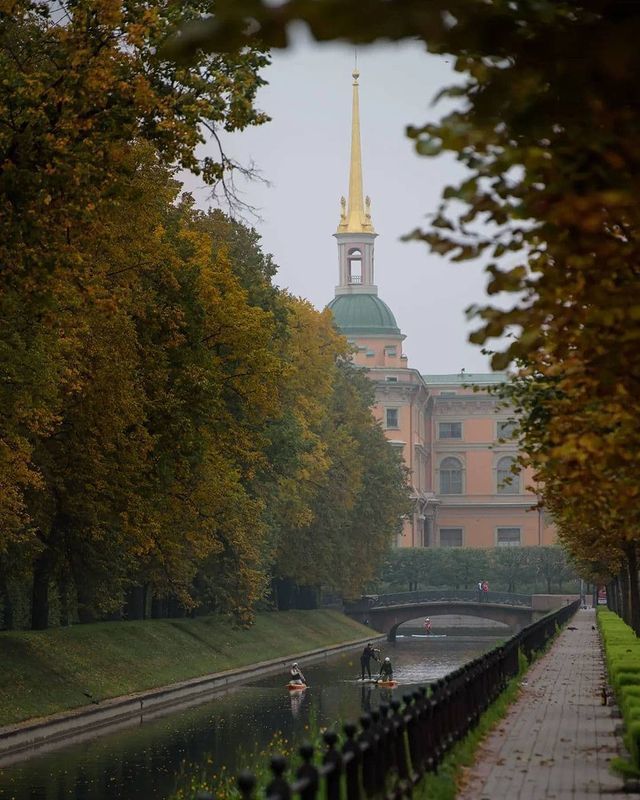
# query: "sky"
304,155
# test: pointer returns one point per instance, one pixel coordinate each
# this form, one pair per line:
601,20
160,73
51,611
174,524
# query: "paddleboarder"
386,670
296,676
365,659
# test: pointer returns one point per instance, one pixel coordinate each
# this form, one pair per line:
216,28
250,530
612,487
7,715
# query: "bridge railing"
395,746
437,595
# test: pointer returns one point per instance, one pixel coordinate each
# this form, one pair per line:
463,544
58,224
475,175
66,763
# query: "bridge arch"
515,618
460,620
387,619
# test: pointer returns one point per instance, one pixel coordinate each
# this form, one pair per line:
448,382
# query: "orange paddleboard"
296,687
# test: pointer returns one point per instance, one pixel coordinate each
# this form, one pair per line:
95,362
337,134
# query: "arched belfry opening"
354,266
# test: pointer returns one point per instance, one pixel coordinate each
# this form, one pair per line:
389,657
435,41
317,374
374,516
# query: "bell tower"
355,232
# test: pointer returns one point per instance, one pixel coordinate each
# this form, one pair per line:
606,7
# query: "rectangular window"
450,537
391,417
391,351
506,429
508,537
391,379
447,394
450,430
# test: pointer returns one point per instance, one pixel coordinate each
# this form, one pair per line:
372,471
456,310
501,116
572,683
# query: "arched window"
450,476
355,265
508,481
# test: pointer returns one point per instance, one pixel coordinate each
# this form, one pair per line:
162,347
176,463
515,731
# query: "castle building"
455,438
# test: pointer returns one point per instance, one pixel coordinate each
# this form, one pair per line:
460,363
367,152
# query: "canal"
155,758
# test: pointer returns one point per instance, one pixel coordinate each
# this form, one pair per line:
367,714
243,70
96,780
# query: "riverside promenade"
557,739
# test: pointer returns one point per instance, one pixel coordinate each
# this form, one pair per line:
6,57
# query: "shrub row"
622,654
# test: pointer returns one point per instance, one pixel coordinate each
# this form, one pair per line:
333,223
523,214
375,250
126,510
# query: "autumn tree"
359,499
81,82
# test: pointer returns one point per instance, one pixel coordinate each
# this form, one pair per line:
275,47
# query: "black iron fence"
394,746
368,602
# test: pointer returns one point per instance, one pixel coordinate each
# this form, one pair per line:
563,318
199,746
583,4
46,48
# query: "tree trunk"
623,580
8,615
86,611
134,603
175,609
146,591
634,589
158,608
65,609
612,597
40,591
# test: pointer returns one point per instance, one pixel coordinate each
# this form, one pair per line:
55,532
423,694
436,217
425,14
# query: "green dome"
363,315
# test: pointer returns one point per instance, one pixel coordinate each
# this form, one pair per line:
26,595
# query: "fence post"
368,757
379,760
278,787
400,746
307,774
388,738
351,760
246,784
332,762
413,736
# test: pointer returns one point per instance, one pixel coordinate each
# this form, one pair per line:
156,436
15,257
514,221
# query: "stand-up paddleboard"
387,684
296,687
428,635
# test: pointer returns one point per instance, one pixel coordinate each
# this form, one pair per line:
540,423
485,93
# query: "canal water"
156,758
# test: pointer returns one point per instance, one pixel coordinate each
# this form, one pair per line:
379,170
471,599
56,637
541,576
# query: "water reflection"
154,758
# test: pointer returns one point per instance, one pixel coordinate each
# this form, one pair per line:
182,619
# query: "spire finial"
357,220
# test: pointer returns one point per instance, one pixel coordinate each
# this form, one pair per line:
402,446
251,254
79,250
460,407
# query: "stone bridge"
385,613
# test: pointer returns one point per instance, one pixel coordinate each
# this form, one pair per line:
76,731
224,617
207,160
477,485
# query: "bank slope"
42,672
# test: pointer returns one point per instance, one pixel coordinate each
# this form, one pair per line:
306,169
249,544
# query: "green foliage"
360,499
622,654
510,569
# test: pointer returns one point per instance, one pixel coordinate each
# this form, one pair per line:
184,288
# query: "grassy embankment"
42,672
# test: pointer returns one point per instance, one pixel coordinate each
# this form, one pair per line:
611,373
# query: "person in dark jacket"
365,659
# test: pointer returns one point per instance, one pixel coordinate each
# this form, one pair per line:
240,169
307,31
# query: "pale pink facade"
455,438
481,503
456,445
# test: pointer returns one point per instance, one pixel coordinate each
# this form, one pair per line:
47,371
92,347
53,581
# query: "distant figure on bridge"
485,588
386,670
365,659
479,591
427,626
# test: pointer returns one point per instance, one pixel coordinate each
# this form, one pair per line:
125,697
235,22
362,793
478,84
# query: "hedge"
622,655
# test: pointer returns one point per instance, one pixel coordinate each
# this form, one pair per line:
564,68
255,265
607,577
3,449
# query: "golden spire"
356,219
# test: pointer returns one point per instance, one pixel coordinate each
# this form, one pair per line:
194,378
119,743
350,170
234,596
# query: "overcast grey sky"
304,153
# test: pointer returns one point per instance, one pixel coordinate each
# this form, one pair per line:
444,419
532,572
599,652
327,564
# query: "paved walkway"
557,739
